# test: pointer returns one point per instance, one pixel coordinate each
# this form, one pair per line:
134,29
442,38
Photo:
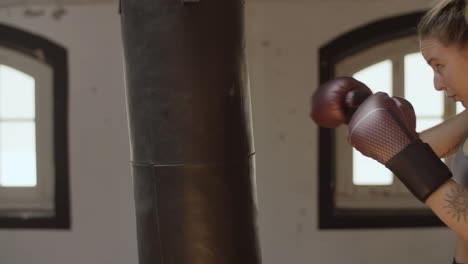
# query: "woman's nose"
438,83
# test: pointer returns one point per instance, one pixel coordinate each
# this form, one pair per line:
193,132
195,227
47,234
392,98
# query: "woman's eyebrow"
430,60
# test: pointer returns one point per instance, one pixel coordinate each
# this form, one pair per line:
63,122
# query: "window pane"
460,107
16,94
378,76
423,123
419,87
17,154
367,171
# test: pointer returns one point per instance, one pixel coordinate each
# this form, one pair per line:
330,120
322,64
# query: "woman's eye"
438,67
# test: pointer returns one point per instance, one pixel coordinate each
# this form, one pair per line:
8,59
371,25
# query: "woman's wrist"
461,250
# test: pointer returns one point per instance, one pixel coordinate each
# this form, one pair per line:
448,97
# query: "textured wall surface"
283,38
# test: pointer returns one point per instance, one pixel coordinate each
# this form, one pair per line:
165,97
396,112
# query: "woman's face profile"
450,67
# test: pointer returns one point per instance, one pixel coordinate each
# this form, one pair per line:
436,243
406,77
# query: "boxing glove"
335,101
383,128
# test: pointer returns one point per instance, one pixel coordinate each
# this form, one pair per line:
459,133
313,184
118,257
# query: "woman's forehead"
432,48
429,47
429,44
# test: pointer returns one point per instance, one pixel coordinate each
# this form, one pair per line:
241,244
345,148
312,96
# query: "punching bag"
190,134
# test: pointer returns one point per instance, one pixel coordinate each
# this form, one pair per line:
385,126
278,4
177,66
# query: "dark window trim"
331,53
56,56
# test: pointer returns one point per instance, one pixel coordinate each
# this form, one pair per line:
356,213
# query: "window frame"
56,57
348,194
39,196
330,54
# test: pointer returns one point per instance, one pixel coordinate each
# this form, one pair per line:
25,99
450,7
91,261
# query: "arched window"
33,132
356,191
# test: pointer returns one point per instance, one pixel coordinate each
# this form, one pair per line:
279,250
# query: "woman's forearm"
446,137
461,250
450,204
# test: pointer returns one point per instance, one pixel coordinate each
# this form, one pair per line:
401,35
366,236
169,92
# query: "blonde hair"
447,22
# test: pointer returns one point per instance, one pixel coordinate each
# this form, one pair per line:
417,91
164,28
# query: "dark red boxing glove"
335,101
383,128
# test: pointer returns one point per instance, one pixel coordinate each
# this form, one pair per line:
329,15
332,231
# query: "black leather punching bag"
189,119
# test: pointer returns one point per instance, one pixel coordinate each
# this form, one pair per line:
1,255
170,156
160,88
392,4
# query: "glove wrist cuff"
420,169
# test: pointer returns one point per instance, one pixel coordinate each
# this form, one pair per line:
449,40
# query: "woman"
443,33
383,128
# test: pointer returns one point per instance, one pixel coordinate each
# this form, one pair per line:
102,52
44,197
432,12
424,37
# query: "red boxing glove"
383,128
335,101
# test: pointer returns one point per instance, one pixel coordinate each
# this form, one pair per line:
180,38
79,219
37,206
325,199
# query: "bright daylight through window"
377,77
17,129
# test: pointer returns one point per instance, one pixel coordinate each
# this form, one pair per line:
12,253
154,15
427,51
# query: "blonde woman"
383,127
443,34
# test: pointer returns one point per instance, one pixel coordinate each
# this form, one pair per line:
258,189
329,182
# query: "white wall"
283,39
103,221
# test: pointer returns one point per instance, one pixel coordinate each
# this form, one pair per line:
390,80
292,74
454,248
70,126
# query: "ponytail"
447,21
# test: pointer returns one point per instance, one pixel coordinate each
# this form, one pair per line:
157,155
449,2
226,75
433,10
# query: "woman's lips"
454,97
